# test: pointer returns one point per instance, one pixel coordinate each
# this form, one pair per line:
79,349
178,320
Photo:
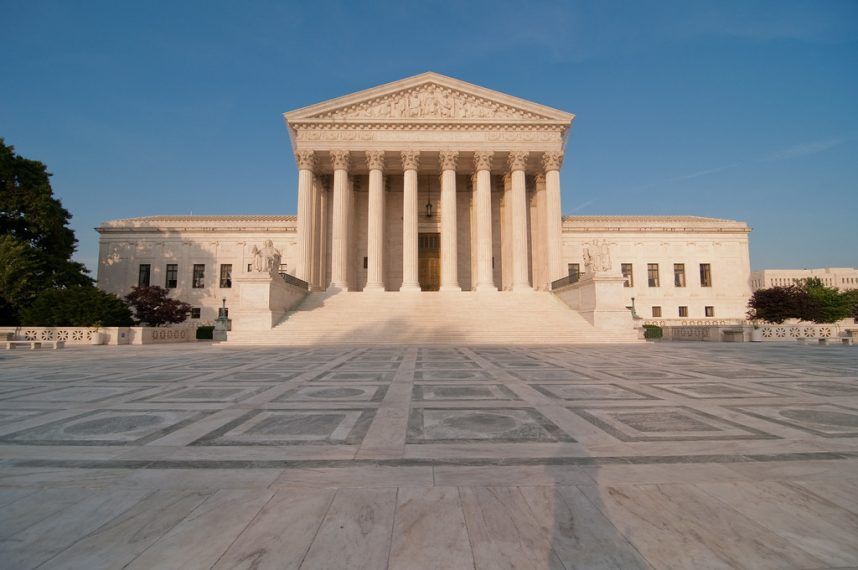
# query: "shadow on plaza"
524,510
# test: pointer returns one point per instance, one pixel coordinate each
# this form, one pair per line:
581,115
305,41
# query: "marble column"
306,160
483,203
538,255
517,162
340,230
375,222
551,162
410,163
449,222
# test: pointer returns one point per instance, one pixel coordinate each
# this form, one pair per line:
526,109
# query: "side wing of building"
195,257
677,267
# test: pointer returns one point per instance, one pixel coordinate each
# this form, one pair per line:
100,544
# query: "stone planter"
97,338
756,335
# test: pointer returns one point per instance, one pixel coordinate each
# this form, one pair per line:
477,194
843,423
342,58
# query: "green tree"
17,269
81,306
825,304
153,307
32,216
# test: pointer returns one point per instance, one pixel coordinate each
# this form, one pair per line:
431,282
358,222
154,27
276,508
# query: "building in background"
842,278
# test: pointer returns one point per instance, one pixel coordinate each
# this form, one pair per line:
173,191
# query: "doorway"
429,261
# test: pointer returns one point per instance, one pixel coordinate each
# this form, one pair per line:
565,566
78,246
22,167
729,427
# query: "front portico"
382,170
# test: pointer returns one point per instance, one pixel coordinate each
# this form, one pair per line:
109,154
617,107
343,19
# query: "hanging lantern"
429,198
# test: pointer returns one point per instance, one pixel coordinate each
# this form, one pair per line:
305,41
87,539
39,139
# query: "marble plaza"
665,456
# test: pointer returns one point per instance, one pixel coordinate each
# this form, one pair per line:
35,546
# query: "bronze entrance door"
429,261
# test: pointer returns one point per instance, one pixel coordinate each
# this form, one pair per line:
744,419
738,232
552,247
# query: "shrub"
154,308
653,331
205,333
83,306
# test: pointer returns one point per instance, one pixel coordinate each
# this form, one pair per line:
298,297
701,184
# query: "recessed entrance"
429,261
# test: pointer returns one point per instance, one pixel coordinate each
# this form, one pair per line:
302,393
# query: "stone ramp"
524,318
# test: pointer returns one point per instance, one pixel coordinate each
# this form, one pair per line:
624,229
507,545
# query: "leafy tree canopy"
82,306
808,300
153,307
41,243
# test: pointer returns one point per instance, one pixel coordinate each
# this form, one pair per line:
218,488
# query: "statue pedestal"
263,300
599,298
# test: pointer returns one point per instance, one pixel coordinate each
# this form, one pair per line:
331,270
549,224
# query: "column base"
482,287
410,289
374,289
450,288
337,288
521,287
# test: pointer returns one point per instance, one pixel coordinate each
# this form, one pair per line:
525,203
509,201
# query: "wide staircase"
527,318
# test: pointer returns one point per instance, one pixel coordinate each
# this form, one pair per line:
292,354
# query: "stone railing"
695,322
111,335
718,332
791,332
292,280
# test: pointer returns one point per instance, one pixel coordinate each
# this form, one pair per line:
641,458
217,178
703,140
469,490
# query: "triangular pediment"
429,97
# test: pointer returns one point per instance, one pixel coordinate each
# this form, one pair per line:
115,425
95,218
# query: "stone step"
432,318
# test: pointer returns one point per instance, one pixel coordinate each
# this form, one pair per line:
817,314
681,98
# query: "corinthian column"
340,231
449,250
483,200
517,163
375,223
410,162
551,162
304,262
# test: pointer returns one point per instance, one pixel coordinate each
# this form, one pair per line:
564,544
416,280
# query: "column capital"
306,159
410,159
375,159
552,160
483,160
340,159
449,158
517,160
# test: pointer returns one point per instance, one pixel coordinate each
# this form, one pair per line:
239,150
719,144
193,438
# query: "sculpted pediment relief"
429,97
428,101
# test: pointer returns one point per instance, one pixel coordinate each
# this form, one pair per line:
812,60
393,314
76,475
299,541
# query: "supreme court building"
431,184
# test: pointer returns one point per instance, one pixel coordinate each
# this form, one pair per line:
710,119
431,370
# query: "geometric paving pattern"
430,457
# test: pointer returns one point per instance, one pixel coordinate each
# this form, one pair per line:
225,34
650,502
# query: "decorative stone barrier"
74,336
770,333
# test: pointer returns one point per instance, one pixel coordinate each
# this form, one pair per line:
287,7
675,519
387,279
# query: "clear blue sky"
736,109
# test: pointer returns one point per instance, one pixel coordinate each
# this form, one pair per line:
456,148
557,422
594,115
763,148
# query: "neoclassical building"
431,184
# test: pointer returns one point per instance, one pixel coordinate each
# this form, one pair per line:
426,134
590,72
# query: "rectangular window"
144,274
574,272
366,263
628,274
652,274
195,312
225,275
705,275
709,311
683,311
199,276
656,312
249,267
679,275
172,276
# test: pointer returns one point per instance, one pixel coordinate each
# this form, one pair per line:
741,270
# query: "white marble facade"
489,165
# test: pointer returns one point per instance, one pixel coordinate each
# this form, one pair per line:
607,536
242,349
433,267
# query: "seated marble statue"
267,259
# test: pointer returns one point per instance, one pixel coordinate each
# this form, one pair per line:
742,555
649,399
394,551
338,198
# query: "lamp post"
220,328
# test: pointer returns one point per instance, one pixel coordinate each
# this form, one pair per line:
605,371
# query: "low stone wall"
769,333
74,336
